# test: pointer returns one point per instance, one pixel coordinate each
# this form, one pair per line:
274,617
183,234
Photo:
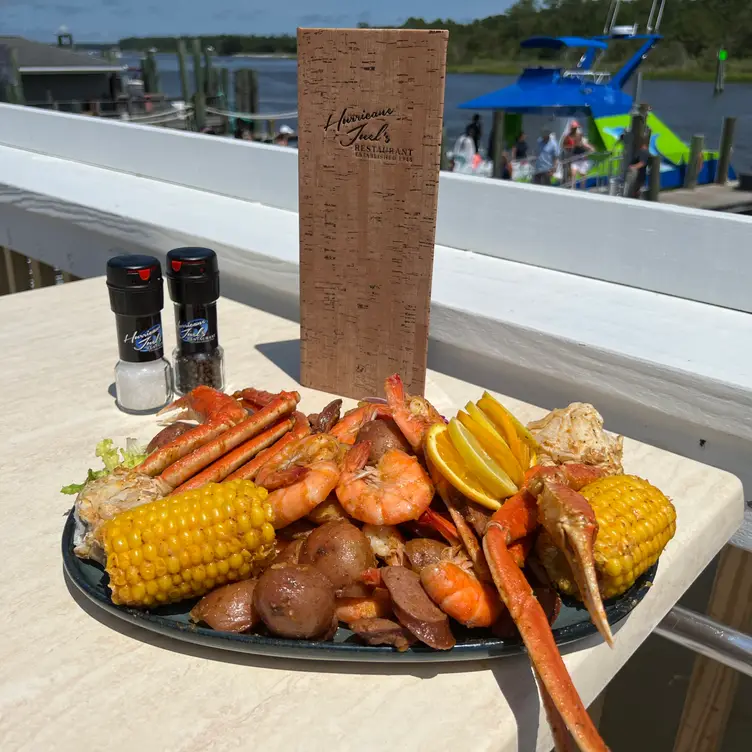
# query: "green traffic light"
722,55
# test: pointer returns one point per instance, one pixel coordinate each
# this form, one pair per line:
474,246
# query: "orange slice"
521,430
448,462
492,442
491,475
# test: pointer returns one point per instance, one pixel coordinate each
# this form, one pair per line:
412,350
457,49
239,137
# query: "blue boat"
598,98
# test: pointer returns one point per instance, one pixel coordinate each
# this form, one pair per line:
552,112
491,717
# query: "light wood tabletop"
77,678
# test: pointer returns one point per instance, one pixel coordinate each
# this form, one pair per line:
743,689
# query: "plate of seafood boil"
384,533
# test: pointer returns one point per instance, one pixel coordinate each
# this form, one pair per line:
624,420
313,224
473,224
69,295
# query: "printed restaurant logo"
367,134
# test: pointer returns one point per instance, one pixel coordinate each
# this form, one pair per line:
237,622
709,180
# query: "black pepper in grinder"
193,282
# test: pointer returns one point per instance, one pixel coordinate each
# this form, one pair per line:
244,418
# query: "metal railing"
707,637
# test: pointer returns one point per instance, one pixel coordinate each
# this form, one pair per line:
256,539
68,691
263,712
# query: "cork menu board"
370,108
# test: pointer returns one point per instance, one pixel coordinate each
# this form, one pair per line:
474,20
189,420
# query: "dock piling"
253,98
151,73
724,152
185,88
210,75
199,99
498,140
16,91
720,72
224,96
654,186
695,156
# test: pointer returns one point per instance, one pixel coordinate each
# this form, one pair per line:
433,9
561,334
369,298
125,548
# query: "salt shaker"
193,282
143,379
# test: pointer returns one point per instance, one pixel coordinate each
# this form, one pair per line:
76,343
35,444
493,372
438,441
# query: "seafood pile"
388,519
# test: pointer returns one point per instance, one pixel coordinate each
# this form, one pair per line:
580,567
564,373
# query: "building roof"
37,57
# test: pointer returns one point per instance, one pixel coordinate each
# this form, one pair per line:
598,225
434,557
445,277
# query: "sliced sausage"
415,610
383,632
229,608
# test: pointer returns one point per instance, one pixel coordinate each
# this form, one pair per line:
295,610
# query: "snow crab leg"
213,410
560,510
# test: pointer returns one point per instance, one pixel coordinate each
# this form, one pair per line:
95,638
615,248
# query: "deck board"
710,197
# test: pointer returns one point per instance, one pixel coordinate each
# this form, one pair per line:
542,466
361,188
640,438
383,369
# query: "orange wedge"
444,456
491,475
493,443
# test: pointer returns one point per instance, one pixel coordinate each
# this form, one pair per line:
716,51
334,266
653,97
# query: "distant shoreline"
740,74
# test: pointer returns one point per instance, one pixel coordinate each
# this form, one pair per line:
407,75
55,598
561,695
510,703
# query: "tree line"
694,30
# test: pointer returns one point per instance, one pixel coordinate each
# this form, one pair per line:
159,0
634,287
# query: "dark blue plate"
572,624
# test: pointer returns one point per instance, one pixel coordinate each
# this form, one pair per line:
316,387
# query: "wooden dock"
727,198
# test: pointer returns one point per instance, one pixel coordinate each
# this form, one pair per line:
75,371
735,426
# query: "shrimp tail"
284,478
356,457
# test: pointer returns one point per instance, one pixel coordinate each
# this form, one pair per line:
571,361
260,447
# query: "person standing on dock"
520,147
548,157
638,169
474,130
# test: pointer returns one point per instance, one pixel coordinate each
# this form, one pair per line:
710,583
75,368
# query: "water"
686,107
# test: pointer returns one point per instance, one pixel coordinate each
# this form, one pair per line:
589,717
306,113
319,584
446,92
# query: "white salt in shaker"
143,378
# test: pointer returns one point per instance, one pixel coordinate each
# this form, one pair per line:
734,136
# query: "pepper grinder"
143,379
193,282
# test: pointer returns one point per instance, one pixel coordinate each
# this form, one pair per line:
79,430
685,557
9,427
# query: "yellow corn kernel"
183,546
635,523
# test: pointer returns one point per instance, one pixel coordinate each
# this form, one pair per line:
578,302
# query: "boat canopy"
556,43
546,91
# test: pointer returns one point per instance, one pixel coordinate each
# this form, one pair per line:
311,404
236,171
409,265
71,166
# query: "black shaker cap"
135,285
193,276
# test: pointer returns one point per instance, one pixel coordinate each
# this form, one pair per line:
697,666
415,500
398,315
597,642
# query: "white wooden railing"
548,295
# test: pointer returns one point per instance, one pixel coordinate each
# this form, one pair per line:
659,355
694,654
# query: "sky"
109,20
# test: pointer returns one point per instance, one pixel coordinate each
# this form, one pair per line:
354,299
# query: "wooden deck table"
75,678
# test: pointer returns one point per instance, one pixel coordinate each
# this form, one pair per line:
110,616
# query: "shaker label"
196,330
147,341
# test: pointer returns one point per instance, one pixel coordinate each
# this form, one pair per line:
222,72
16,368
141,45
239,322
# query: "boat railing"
602,174
597,77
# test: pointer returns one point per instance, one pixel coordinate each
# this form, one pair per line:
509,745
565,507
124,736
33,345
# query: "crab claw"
570,521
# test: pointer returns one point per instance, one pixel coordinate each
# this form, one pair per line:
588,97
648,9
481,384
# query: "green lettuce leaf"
133,454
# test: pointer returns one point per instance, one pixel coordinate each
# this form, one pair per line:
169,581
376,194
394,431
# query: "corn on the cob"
635,522
188,544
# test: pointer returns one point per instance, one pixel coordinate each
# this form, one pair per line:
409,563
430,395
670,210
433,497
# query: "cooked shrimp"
294,502
413,415
299,453
353,420
398,489
458,593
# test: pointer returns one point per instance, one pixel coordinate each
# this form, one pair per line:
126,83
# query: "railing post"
712,686
42,274
693,166
16,271
724,156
